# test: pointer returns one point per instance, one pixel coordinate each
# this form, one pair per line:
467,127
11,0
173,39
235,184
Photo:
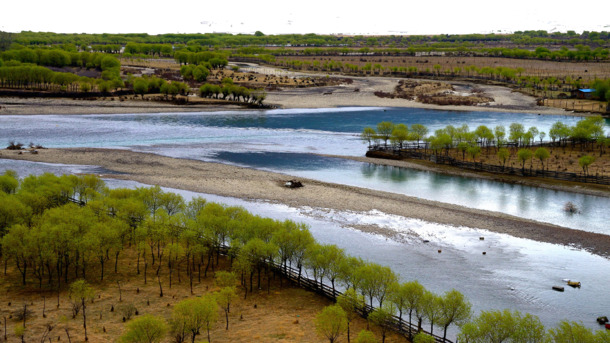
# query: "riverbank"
245,183
360,92
574,187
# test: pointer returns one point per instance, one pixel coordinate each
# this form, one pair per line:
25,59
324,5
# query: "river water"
515,273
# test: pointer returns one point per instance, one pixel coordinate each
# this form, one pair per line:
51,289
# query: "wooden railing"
395,323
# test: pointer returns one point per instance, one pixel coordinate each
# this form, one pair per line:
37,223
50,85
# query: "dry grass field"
286,314
587,70
561,159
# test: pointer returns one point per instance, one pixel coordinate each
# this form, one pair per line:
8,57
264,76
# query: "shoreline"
587,189
253,184
360,93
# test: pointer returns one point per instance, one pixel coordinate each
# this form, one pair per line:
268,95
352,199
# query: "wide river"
515,273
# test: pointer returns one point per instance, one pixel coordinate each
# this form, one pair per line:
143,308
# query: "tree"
524,155
503,155
140,86
224,297
350,302
400,134
474,151
423,337
503,326
500,134
414,293
366,336
584,162
368,135
571,332
382,317
455,309
145,329
542,154
384,130
516,132
418,132
331,322
431,308
191,315
81,291
375,281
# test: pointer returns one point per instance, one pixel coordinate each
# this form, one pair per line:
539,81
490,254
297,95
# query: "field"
536,68
286,314
562,159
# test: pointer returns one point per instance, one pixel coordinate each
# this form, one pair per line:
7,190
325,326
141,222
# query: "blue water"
289,141
515,273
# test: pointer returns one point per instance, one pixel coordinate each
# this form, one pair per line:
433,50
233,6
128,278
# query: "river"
515,273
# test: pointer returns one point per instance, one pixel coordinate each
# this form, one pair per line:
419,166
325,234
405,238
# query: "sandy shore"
359,93
247,183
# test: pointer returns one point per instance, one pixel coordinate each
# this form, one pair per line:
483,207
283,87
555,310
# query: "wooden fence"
492,168
395,323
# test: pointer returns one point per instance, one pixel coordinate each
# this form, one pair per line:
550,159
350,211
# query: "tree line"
527,38
227,89
60,230
589,132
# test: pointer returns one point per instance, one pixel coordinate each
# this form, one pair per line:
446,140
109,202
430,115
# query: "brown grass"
587,70
286,314
561,159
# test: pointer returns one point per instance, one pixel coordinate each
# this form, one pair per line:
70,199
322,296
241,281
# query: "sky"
405,17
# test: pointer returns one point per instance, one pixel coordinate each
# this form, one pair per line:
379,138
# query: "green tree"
384,130
192,315
571,332
418,132
365,336
399,135
225,297
331,322
351,303
542,154
140,86
503,155
431,308
516,132
584,162
503,326
368,135
382,316
474,151
423,337
455,309
524,155
414,293
81,291
500,134
145,329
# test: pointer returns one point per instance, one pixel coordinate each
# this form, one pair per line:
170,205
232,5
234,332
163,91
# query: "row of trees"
51,240
229,90
515,76
154,85
212,60
587,131
16,75
529,38
61,58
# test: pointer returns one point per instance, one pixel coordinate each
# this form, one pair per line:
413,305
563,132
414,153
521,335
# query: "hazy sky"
310,16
